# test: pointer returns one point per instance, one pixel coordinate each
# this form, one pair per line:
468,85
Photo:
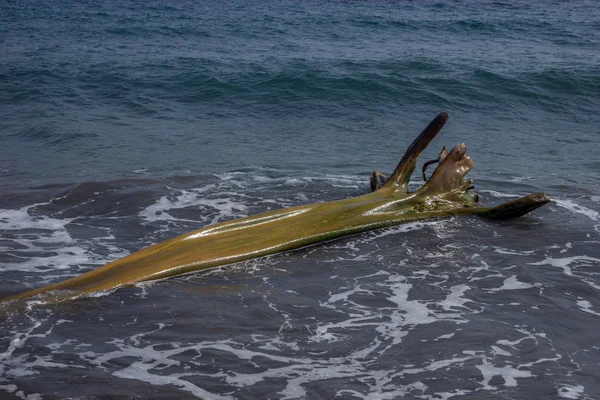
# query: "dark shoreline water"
126,124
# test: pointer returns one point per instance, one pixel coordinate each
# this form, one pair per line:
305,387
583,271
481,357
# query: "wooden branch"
445,193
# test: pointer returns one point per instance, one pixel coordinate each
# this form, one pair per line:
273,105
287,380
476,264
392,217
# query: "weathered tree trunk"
445,193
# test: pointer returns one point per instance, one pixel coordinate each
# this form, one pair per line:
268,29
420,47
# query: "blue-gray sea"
124,123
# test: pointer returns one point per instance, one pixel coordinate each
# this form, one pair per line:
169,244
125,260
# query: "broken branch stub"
406,166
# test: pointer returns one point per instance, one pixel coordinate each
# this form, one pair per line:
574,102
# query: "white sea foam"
586,306
514,343
512,252
480,270
14,364
446,336
301,371
445,395
571,391
500,352
507,372
182,365
578,209
455,299
415,312
341,181
565,263
22,219
409,227
512,283
521,179
43,242
438,364
592,284
245,179
225,206
396,392
499,194
19,393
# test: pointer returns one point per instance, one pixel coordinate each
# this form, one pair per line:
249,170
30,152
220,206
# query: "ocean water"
126,123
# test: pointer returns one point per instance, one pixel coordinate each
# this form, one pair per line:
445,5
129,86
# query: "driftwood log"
390,203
